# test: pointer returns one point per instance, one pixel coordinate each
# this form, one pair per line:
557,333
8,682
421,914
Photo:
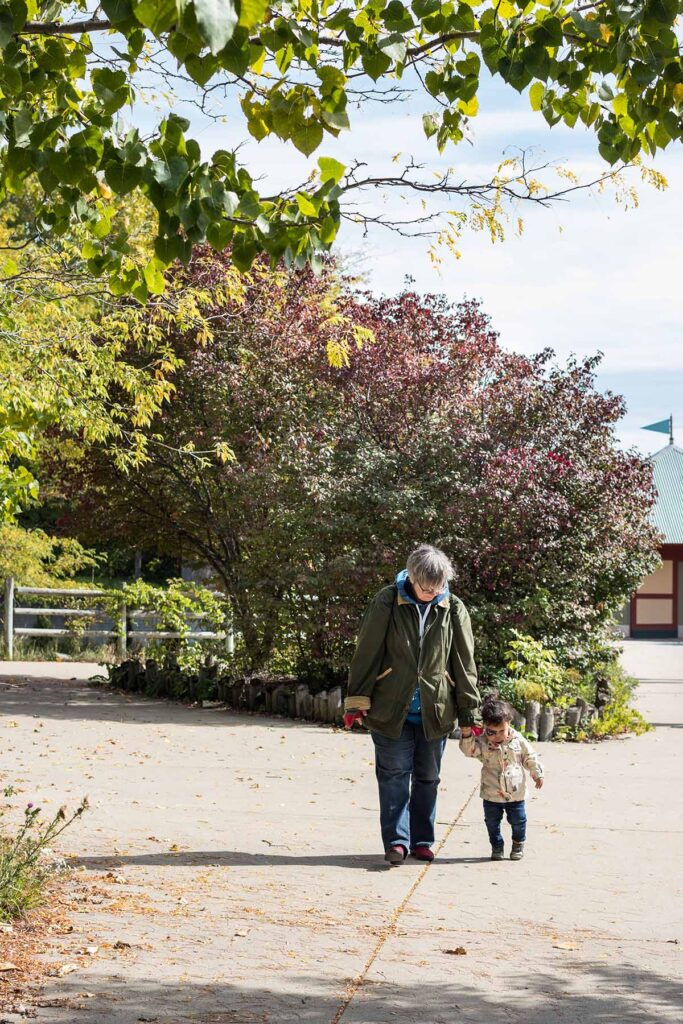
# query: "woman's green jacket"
390,662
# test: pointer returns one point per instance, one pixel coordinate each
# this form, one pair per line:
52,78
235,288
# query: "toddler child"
504,754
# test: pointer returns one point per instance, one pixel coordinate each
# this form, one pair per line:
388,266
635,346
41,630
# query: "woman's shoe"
396,855
422,853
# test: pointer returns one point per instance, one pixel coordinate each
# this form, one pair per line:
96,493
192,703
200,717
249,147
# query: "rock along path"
238,874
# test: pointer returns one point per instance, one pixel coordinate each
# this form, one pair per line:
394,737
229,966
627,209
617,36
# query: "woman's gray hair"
428,565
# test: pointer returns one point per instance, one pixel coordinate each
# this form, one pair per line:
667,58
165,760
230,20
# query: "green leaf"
536,95
307,136
122,177
327,231
306,205
201,69
170,173
219,234
110,87
217,20
394,46
375,64
244,251
430,123
7,28
330,169
172,248
23,122
154,277
337,119
158,15
117,11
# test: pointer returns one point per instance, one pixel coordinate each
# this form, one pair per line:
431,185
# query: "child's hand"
539,783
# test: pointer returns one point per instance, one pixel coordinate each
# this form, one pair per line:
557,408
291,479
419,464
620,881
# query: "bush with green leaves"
25,862
536,674
618,716
335,472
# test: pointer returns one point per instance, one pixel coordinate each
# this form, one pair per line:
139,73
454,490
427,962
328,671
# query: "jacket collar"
405,598
400,599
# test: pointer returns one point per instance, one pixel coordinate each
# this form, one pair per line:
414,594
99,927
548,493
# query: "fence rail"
124,631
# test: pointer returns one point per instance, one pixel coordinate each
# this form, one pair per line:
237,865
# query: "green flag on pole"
663,427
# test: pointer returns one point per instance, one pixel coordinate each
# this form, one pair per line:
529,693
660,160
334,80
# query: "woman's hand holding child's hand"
353,716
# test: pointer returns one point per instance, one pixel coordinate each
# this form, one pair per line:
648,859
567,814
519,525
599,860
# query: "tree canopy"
70,72
431,431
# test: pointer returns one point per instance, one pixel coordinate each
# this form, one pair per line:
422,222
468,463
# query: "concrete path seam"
390,927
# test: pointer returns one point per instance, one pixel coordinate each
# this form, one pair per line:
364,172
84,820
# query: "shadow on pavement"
236,858
580,992
74,700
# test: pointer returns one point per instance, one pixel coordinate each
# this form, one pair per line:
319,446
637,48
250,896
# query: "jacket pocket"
384,711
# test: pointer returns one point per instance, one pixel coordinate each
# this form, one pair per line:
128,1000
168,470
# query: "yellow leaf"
470,108
620,104
606,32
536,95
506,9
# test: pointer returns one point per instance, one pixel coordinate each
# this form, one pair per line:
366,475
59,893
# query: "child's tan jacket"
502,768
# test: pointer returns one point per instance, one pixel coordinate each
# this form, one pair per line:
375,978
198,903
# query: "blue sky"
584,276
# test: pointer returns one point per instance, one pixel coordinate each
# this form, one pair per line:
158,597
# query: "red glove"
476,730
353,716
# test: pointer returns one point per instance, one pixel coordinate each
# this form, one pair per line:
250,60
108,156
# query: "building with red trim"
656,608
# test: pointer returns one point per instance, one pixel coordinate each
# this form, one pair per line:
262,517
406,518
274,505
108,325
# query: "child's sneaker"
497,852
517,851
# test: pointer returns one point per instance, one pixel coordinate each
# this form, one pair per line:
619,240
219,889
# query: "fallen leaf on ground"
458,951
566,945
5,965
67,969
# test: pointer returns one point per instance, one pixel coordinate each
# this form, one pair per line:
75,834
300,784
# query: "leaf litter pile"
28,947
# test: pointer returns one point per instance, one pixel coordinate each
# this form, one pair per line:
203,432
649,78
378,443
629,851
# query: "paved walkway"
239,878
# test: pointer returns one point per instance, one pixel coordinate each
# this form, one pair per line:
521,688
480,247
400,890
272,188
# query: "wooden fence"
124,630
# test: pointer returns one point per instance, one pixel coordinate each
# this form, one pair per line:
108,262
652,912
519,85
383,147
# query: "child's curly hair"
495,711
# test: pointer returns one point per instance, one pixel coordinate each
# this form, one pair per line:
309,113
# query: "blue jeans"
516,815
407,772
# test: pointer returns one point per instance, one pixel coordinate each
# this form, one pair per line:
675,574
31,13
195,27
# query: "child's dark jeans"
516,815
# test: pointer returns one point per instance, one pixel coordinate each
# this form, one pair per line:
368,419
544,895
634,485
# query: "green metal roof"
668,510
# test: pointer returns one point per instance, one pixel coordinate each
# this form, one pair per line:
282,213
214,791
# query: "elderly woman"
411,677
